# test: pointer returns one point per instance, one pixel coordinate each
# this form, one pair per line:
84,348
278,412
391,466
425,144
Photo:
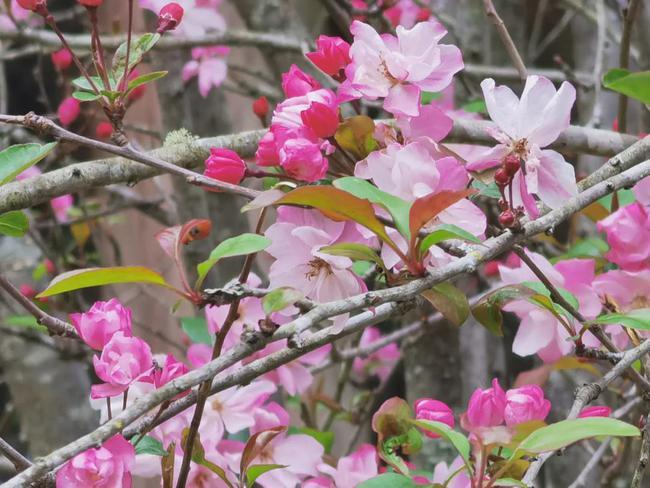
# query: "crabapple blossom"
331,56
225,165
261,107
169,370
430,409
199,17
351,470
108,466
68,111
296,82
209,65
321,119
169,17
398,68
628,232
124,360
97,326
524,126
486,407
525,404
303,160
451,476
379,362
103,130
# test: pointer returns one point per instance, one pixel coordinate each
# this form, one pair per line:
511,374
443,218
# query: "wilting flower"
486,407
399,68
225,165
430,409
97,326
108,466
525,404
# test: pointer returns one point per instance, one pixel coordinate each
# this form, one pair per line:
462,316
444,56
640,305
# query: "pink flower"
352,470
104,130
486,407
97,326
430,409
37,6
628,232
380,362
525,404
170,370
123,361
199,18
457,477
303,160
525,126
60,206
267,151
108,466
331,56
61,59
595,411
68,111
399,68
642,191
209,64
225,165
296,82
169,17
406,13
321,119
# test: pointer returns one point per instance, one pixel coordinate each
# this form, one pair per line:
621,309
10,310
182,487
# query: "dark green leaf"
14,223
16,159
196,329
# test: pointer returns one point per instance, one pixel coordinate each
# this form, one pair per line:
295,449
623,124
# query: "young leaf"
566,432
395,432
444,232
240,245
280,298
257,470
449,301
196,329
352,250
149,445
14,223
85,96
83,84
389,480
89,277
634,85
510,482
144,79
541,289
139,47
16,159
458,440
398,208
634,319
256,444
355,135
488,309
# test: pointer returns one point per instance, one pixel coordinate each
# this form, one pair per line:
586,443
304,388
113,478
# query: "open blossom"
399,68
540,332
303,160
525,404
331,56
171,369
430,409
628,233
108,466
123,361
486,407
381,362
457,477
209,65
97,326
525,126
350,471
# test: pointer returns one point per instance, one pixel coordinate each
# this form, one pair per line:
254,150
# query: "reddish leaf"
256,444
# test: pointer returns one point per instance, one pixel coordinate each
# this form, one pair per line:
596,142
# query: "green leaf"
257,470
444,232
428,97
566,432
634,85
26,321
475,107
85,96
634,319
196,329
388,480
625,197
149,445
449,301
592,247
458,440
510,482
16,159
540,288
14,223
89,277
490,191
240,245
325,438
85,85
488,309
398,208
144,79
139,47
357,252
280,298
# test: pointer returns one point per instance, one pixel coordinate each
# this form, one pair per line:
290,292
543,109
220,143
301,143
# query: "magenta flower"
352,470
61,59
199,17
97,325
406,13
303,160
296,82
108,466
430,409
68,111
169,17
486,407
225,165
525,404
321,119
381,362
595,411
628,232
525,126
399,68
209,64
124,361
331,56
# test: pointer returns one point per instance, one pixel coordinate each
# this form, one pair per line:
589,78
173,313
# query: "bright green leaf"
240,245
510,482
444,232
355,251
144,79
476,106
139,47
196,329
257,470
592,247
428,97
89,277
26,321
149,445
85,85
14,223
540,288
458,440
634,85
85,96
490,191
280,298
389,480
16,159
634,319
449,301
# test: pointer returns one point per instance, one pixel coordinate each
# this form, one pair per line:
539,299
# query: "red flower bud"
36,6
91,3
321,119
261,107
507,219
68,111
27,290
169,17
225,165
103,130
332,55
491,268
501,177
61,59
511,164
50,267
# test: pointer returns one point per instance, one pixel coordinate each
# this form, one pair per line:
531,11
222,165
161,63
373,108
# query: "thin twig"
597,113
644,456
509,44
581,480
631,13
19,461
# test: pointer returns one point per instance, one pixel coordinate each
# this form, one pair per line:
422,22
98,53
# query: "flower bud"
103,130
525,404
261,107
502,178
430,409
169,17
296,82
303,160
331,56
507,219
68,111
595,411
61,59
50,267
27,290
485,407
511,164
225,165
491,268
36,6
321,119
91,3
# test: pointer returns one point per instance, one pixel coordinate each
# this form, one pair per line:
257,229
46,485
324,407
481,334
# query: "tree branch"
631,13
18,460
509,44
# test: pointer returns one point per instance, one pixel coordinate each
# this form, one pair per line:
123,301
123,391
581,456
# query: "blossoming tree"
382,175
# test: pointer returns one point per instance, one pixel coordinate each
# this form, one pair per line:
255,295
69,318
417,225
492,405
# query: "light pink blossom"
209,64
525,404
406,13
350,471
525,126
380,362
108,466
399,68
171,369
452,476
97,325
